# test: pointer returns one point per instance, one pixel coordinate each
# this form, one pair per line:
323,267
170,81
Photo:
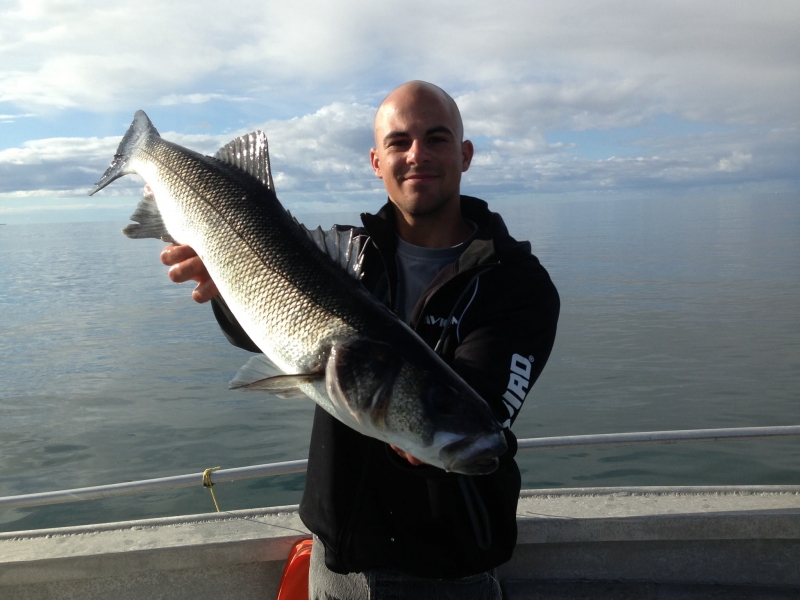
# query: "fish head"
420,406
450,418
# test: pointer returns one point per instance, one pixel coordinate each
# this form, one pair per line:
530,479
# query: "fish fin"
283,386
137,132
346,381
149,223
250,153
260,373
340,244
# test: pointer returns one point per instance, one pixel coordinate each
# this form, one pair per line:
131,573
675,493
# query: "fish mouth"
474,456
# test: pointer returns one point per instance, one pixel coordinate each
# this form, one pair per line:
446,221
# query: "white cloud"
324,151
39,152
15,118
519,109
322,158
38,208
668,165
174,99
519,69
735,162
585,64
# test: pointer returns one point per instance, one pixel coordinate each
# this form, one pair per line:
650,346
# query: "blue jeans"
387,584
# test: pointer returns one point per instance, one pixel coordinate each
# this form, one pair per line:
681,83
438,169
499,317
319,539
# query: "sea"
676,314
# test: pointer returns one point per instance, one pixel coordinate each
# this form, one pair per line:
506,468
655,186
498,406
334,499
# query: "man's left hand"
414,461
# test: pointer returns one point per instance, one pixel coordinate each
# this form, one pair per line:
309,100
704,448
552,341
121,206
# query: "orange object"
294,581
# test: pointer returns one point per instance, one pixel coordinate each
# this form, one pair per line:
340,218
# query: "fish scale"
246,238
327,336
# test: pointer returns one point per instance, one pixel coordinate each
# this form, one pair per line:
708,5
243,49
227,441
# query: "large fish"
330,339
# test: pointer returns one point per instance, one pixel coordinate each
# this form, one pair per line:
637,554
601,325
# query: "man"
385,524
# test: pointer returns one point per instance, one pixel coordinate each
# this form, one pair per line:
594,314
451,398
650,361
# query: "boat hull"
678,537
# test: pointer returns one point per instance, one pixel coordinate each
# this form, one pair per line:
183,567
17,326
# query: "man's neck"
436,230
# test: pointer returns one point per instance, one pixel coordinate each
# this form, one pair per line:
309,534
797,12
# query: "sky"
561,98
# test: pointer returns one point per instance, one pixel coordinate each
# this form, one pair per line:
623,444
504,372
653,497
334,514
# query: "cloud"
735,162
49,207
57,164
651,165
588,64
517,109
322,157
721,75
174,99
14,118
326,151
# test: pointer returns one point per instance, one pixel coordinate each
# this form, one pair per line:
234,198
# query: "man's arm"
504,348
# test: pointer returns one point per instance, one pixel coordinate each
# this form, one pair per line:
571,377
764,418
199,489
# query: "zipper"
456,305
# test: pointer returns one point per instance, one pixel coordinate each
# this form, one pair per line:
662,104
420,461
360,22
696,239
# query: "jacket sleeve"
230,326
505,336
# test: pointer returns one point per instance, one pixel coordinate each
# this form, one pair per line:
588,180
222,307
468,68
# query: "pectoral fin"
259,373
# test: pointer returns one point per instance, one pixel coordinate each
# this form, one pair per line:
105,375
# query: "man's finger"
414,461
174,254
190,269
205,291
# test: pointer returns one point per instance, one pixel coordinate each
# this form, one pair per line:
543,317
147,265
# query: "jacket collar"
492,243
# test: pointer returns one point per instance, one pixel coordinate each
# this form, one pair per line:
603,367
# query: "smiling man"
420,155
386,525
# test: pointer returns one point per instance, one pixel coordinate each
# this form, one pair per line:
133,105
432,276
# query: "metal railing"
299,466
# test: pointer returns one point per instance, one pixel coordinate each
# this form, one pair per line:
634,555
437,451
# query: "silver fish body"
332,340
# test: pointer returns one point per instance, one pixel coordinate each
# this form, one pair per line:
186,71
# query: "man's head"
419,152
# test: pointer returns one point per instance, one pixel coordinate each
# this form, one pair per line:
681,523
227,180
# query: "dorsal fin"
250,153
340,245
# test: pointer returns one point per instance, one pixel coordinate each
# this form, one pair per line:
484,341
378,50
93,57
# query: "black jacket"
492,315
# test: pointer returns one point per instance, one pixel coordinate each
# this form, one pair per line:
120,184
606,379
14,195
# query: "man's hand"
185,265
414,461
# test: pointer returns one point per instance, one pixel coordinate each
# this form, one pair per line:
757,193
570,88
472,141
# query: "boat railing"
211,477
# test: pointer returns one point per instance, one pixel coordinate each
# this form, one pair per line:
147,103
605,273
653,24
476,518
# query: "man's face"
418,154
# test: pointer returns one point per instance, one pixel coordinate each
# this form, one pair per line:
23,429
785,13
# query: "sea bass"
329,338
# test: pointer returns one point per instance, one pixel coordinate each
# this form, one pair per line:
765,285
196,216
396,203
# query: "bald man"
385,524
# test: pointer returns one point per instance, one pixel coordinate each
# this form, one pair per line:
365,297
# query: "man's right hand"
185,265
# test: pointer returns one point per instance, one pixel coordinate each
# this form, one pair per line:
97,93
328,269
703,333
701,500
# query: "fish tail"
139,130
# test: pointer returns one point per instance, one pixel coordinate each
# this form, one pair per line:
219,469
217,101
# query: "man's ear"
376,164
467,150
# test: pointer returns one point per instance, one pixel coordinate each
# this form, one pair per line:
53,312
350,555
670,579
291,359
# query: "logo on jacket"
431,320
518,383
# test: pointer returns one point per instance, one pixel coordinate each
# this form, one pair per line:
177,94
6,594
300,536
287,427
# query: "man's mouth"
420,176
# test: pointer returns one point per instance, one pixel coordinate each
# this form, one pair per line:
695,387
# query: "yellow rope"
208,483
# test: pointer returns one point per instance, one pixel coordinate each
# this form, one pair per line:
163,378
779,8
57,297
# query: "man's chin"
423,206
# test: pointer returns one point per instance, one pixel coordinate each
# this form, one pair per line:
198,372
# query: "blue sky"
572,98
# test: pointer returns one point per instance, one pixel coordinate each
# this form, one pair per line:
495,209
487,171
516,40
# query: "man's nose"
417,153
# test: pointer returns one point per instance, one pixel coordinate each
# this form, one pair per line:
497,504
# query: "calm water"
675,315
